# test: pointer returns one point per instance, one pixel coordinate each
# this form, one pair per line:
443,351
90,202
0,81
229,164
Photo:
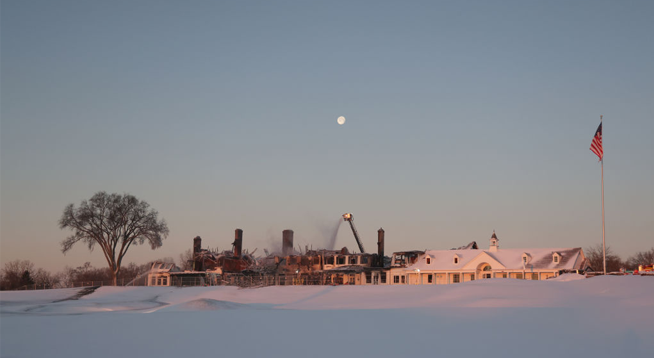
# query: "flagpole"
603,237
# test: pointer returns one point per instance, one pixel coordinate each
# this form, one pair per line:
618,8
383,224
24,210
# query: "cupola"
494,243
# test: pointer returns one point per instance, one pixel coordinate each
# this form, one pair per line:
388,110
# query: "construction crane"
348,217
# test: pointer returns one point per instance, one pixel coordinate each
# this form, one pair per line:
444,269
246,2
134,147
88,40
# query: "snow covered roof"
505,259
163,267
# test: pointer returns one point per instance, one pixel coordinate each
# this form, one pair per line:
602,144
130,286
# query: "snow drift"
601,317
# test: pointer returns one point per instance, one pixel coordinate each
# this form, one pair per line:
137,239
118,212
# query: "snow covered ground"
566,317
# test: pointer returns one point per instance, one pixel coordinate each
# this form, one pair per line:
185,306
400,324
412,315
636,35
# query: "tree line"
23,274
613,262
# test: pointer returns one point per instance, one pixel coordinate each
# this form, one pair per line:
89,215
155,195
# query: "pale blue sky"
462,117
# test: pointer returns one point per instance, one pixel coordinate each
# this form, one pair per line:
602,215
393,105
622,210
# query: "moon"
340,120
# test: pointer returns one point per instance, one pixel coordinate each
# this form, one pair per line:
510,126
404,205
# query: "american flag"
596,144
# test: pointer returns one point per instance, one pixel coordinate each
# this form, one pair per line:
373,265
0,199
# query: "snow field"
600,317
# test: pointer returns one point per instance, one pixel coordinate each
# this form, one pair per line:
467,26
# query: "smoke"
274,241
330,233
327,235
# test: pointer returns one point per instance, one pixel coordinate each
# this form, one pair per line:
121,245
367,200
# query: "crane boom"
348,217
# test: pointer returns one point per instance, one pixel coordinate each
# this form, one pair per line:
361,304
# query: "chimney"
197,245
238,242
380,246
287,242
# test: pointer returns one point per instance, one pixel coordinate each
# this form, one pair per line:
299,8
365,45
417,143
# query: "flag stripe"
596,144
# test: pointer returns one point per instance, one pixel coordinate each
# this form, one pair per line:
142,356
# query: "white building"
454,266
168,274
160,274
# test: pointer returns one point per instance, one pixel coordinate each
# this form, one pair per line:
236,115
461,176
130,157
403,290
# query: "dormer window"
429,261
526,258
556,257
456,259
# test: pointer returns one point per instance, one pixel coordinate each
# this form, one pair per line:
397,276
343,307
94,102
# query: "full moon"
340,120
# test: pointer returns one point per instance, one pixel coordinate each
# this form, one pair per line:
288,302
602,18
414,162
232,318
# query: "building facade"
438,267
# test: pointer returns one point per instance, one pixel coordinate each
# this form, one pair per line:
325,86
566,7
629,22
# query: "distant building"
168,274
322,267
461,265
160,274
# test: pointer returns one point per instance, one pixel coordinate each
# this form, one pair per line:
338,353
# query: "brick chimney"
238,242
287,242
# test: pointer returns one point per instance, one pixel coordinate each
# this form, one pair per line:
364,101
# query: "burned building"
228,261
320,267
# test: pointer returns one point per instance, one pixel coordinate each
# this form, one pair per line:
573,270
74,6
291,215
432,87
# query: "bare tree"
594,255
16,274
186,260
115,223
88,273
641,258
44,279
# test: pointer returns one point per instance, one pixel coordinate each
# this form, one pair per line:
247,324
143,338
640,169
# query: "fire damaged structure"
321,267
342,267
234,261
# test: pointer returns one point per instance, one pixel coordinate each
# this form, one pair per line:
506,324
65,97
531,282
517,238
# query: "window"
330,260
518,275
430,278
153,281
158,281
383,277
164,281
352,277
353,260
534,276
556,257
403,279
429,261
399,259
368,277
340,260
396,279
456,260
472,277
456,278
524,259
364,259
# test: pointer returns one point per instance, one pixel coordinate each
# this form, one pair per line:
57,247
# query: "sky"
461,118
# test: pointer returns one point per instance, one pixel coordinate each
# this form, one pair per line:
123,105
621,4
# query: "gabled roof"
509,259
164,267
483,257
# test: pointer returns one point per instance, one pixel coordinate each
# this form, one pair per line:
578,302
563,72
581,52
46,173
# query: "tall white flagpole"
603,239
